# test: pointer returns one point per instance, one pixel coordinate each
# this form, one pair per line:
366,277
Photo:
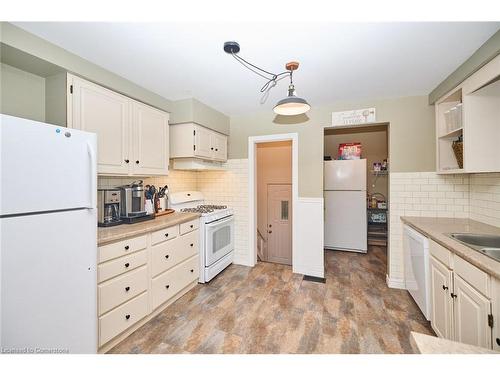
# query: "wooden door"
203,142
98,110
150,140
279,224
471,315
441,300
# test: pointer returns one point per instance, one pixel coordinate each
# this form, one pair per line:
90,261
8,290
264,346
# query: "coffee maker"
132,206
108,207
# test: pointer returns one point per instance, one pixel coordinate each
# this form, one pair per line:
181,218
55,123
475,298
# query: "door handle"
269,231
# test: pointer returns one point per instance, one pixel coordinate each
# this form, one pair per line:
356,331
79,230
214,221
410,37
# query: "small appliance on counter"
132,203
108,207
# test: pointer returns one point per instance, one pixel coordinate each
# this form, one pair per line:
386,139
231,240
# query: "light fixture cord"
252,67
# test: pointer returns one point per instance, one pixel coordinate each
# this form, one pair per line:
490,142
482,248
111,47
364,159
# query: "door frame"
252,188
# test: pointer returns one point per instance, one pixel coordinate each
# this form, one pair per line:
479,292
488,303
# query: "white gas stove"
216,232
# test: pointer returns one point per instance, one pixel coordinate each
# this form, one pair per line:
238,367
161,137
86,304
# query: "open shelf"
380,173
453,134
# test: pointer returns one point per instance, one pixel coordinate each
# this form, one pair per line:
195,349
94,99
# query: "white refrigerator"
345,205
48,230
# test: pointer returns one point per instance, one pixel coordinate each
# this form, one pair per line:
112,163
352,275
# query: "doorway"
372,142
274,201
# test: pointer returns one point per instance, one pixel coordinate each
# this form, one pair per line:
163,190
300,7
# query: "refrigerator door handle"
93,176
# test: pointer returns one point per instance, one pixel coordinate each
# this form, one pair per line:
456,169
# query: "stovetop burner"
204,208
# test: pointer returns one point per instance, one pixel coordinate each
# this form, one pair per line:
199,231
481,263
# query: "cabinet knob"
167,256
127,288
211,148
269,231
127,247
127,265
192,245
445,287
127,161
216,149
127,316
192,271
498,341
167,286
270,226
453,295
166,234
191,226
137,162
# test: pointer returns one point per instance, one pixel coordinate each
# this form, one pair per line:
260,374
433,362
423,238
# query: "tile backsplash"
485,198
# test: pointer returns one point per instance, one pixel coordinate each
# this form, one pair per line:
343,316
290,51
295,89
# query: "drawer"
115,267
121,248
168,254
442,254
473,275
189,226
122,288
173,281
121,318
164,234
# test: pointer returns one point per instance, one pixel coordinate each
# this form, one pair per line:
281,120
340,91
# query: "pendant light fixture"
289,106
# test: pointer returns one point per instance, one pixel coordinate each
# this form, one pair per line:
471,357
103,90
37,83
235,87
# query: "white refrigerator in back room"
48,229
345,205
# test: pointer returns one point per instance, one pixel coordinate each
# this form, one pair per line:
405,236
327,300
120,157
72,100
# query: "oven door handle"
219,222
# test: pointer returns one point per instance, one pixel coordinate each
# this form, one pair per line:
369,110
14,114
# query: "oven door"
219,236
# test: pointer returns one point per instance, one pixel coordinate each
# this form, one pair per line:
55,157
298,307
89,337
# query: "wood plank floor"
268,309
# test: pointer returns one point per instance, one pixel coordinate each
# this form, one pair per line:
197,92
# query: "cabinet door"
495,309
219,142
441,301
106,113
471,315
150,140
203,142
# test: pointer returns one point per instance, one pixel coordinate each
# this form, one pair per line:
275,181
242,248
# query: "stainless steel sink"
488,244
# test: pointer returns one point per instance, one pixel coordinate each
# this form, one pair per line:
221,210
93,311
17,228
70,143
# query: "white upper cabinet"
190,140
202,142
132,137
150,140
94,109
468,123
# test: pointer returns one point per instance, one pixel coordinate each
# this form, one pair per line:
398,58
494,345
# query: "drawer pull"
166,234
453,295
127,265
191,226
445,287
127,247
192,245
192,271
127,288
167,256
127,161
167,286
127,316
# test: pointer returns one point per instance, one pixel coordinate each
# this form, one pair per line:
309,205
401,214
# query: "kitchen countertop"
425,344
435,228
119,232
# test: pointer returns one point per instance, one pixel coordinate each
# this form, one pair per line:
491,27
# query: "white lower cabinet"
461,299
471,312
140,276
495,309
441,303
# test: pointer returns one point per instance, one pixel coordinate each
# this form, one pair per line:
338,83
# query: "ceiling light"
289,106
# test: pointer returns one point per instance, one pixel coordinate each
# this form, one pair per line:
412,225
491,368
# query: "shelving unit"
377,231
447,162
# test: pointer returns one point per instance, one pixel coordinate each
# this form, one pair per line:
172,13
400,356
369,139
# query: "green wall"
22,93
411,136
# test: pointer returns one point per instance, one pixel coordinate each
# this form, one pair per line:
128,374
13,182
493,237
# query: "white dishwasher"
416,264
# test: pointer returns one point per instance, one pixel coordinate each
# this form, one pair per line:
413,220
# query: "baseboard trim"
395,283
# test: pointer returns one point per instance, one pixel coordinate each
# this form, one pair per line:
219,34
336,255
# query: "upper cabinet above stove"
133,138
190,140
